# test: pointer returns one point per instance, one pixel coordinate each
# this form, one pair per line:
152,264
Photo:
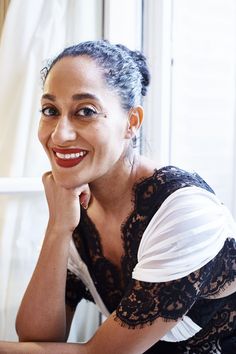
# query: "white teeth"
70,156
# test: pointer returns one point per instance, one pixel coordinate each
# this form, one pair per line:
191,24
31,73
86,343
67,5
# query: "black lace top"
139,303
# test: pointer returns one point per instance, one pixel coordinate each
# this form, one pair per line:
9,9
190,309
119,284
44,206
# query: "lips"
69,157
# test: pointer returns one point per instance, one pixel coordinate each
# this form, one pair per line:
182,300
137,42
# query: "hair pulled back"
124,70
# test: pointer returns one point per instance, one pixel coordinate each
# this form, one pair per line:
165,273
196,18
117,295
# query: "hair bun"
141,62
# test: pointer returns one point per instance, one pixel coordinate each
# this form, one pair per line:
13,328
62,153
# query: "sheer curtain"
32,32
3,9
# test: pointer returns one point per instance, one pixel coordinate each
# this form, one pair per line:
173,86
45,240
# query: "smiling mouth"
69,157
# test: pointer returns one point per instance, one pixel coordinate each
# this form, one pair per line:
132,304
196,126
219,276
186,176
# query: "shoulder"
151,192
173,178
185,233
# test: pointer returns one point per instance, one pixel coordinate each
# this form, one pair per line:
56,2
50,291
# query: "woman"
153,247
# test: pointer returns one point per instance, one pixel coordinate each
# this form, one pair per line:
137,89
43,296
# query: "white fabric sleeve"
187,231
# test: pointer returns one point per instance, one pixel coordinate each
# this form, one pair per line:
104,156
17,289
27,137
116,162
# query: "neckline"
131,214
134,193
123,225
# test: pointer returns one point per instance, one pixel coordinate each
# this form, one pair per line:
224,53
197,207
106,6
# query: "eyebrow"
76,97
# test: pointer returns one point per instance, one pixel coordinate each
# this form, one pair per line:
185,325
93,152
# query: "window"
191,111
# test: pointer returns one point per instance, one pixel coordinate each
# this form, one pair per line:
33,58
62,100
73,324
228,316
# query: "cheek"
43,132
109,143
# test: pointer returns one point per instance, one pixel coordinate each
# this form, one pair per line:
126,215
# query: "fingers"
85,196
84,200
83,192
46,176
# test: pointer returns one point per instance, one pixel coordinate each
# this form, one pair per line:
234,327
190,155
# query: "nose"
63,132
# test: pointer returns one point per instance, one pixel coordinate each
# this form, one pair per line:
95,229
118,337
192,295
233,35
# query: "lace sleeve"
145,301
182,298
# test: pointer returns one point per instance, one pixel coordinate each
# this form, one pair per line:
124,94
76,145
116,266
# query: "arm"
145,314
122,341
43,315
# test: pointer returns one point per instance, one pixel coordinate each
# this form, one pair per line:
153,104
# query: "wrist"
59,230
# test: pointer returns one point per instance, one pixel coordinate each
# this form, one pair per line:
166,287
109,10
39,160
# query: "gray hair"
124,70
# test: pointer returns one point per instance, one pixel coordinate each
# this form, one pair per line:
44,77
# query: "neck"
114,189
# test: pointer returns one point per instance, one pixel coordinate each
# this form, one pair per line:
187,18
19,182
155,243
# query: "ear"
135,119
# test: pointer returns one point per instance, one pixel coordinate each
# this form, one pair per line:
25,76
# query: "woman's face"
83,127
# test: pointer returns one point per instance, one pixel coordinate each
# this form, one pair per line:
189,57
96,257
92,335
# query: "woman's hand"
64,204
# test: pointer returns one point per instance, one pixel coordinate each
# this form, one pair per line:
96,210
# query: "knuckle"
46,176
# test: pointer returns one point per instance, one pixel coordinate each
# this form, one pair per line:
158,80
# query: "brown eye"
86,112
49,111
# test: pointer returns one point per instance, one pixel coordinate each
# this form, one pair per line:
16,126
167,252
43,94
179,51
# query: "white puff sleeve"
187,231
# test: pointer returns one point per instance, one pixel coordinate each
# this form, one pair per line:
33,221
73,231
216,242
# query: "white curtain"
33,31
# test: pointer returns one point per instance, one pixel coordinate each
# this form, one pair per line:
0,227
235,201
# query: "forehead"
76,72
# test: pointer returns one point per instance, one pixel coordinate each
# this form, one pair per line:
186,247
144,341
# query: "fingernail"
84,205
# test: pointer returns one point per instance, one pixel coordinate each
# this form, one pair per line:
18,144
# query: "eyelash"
43,111
90,112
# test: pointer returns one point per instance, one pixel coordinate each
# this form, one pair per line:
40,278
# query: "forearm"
41,316
111,337
42,348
